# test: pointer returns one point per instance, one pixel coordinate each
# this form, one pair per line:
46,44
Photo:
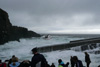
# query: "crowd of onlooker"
14,62
38,60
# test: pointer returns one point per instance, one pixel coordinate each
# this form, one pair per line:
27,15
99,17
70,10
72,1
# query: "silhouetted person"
61,63
87,59
38,60
52,65
78,63
72,61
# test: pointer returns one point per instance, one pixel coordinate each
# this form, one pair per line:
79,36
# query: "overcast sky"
55,16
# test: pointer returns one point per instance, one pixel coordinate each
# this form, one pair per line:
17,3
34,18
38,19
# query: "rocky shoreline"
8,32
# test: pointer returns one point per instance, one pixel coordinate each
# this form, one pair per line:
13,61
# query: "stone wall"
84,44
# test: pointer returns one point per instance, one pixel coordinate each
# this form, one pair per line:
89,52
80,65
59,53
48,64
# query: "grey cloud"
48,15
52,6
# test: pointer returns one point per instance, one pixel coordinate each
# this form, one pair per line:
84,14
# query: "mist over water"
23,48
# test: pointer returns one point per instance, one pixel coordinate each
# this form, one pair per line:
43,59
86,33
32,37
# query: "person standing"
72,62
38,60
78,63
87,59
52,65
61,63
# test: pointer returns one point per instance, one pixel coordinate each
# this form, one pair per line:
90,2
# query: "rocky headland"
8,32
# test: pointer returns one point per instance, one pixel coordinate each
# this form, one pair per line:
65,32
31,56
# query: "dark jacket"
87,59
79,63
38,58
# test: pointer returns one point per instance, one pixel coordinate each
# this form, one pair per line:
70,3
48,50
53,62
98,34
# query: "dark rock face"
9,32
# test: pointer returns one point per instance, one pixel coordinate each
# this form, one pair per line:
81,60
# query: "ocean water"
23,48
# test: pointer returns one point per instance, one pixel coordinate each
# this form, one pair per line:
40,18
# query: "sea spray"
23,48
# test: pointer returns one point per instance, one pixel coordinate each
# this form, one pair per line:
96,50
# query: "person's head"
75,58
13,56
86,53
59,61
14,59
34,50
52,63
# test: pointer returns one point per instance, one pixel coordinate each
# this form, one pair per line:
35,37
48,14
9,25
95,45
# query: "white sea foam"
23,48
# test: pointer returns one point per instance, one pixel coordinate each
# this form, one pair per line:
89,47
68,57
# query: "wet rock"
84,47
97,52
92,46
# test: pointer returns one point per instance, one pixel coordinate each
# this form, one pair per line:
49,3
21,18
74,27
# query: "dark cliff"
11,33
